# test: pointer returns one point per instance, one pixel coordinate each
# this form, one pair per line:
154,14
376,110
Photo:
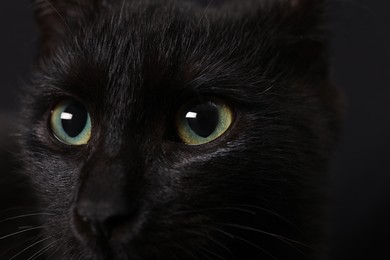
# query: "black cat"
179,130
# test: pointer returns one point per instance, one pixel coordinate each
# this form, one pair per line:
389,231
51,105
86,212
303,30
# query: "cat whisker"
25,208
241,208
4,253
272,213
43,250
216,208
200,251
54,251
187,252
211,253
243,240
286,240
30,246
22,231
257,246
25,216
209,238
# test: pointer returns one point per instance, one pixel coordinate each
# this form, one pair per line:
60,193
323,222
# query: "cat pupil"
74,119
203,119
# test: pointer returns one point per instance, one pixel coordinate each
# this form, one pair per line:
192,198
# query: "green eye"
71,123
203,122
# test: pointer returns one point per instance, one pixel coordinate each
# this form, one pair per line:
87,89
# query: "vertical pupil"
73,119
203,119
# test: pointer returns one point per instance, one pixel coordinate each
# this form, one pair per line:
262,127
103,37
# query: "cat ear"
306,33
55,18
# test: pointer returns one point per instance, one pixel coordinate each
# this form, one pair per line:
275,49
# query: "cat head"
155,130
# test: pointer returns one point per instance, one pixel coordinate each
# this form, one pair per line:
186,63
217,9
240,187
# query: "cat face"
160,131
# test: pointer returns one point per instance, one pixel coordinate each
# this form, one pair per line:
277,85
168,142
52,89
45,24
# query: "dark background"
361,68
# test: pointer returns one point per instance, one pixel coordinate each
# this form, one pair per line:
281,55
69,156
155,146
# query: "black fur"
254,193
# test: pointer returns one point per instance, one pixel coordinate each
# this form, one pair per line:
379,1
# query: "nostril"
97,229
100,221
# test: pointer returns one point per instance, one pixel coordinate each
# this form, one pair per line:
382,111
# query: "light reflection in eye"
66,116
191,115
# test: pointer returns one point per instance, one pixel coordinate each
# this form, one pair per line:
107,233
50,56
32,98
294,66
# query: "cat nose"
107,202
100,220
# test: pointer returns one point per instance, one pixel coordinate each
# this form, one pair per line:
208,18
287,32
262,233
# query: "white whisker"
16,246
244,240
20,232
43,250
30,246
26,215
212,253
286,240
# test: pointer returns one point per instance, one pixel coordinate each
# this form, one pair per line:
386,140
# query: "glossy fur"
257,192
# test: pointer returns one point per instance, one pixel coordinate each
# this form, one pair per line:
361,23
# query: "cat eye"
71,123
203,122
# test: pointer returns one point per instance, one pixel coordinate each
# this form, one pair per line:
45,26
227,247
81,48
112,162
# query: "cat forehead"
143,51
138,32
